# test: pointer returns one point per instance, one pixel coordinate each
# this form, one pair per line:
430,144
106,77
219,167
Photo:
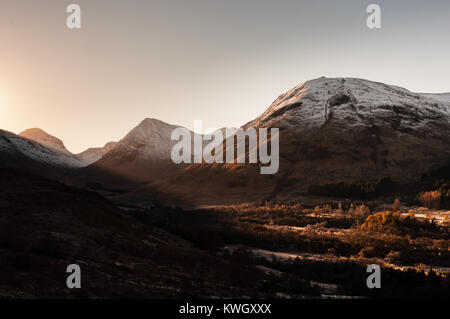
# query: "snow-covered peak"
53,155
93,154
149,130
313,103
42,137
150,140
38,145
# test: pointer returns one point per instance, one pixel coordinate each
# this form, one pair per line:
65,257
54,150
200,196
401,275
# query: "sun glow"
1,105
2,109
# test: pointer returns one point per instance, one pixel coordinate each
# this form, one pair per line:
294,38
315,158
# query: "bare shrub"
361,211
339,210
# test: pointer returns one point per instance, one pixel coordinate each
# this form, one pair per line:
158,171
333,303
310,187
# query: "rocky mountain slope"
441,97
40,136
313,103
335,130
143,154
353,129
93,154
37,146
82,159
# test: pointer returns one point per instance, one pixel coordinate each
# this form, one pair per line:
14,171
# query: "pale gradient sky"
221,61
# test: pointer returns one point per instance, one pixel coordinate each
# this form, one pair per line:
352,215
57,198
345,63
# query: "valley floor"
327,249
266,250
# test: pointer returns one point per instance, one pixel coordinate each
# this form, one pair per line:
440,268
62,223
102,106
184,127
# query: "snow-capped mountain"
93,154
150,140
61,155
43,138
348,129
313,103
335,130
332,130
145,152
38,146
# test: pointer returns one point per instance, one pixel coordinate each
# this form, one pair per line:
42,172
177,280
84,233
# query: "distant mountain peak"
153,124
110,145
40,136
93,154
150,119
36,145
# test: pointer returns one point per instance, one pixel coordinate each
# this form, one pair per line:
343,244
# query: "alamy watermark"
374,19
374,279
240,145
74,279
74,19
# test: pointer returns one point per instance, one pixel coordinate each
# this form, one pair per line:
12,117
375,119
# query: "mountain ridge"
93,154
42,137
332,130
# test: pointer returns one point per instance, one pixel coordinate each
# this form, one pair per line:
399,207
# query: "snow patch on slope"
149,141
54,156
442,98
313,103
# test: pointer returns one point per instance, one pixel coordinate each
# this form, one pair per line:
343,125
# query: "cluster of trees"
436,184
347,275
379,221
396,223
437,199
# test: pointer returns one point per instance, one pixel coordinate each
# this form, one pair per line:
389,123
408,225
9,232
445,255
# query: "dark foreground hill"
45,226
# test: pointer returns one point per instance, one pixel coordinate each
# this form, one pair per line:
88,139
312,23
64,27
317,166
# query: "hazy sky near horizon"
220,61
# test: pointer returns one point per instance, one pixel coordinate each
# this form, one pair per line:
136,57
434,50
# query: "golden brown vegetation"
431,199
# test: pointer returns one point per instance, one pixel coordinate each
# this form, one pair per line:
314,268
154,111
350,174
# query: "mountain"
353,129
143,154
150,140
441,97
40,136
37,146
333,132
313,103
93,154
64,157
